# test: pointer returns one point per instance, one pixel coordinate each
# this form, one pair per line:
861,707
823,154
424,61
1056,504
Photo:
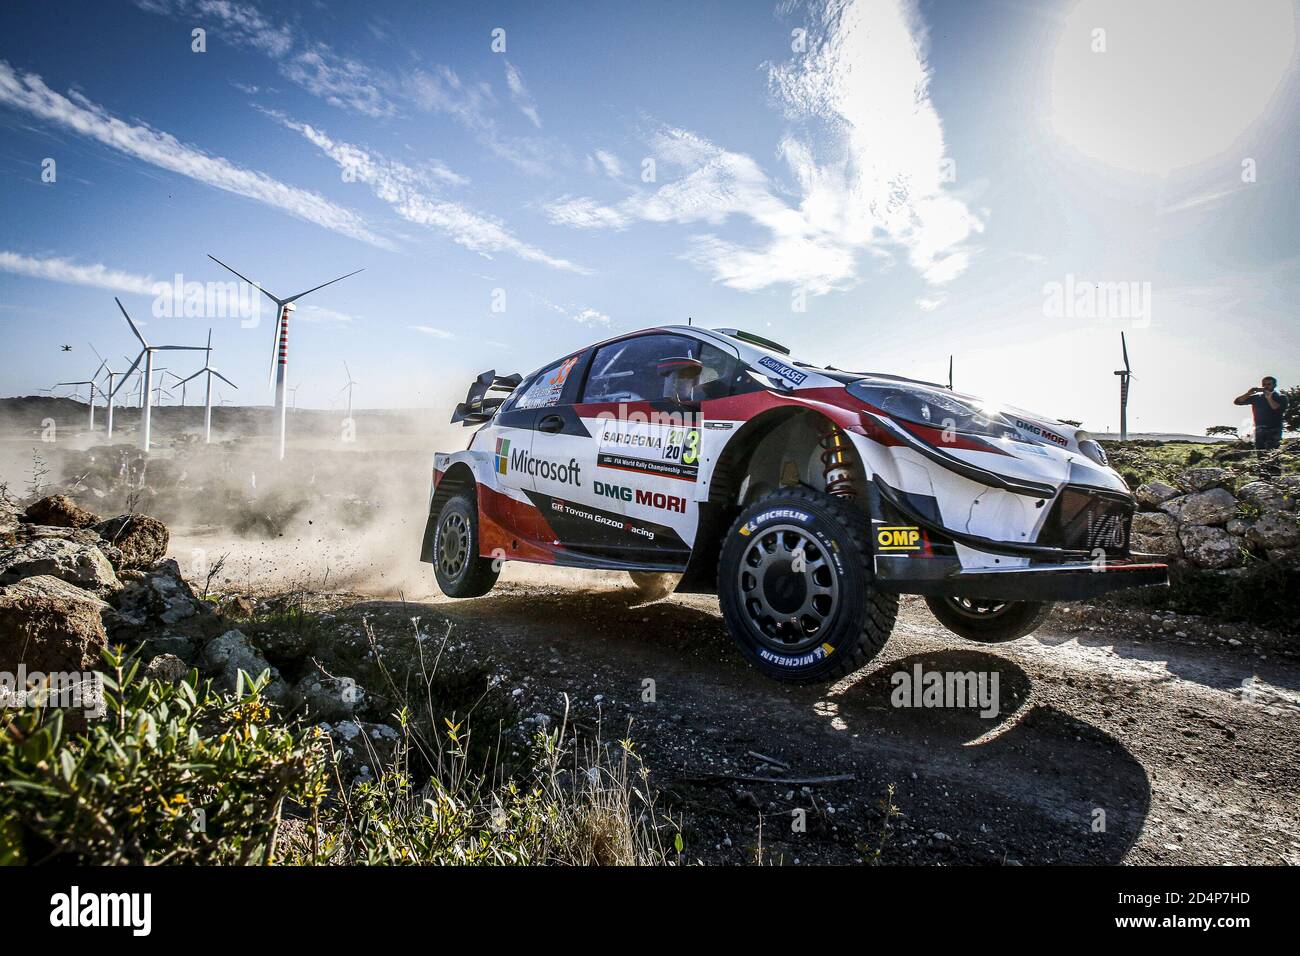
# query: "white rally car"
807,498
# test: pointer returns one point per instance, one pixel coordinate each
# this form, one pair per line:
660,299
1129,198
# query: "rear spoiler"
478,407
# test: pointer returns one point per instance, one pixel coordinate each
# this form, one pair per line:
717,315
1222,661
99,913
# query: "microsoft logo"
503,455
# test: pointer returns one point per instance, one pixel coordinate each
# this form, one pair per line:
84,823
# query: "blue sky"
897,183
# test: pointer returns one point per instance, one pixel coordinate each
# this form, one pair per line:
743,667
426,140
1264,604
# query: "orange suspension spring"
837,463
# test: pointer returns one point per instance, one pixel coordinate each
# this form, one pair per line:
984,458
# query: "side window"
545,390
640,370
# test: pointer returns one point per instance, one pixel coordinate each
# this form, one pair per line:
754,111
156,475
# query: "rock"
1275,530
8,524
1209,547
1203,479
142,540
1155,532
1154,493
1239,526
81,564
166,667
236,606
328,699
51,626
362,748
1214,507
178,601
1174,506
172,645
1288,558
226,655
1263,496
60,511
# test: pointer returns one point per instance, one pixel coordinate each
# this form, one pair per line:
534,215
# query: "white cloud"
582,213
591,317
520,96
610,163
408,191
861,94
28,92
315,313
432,332
65,270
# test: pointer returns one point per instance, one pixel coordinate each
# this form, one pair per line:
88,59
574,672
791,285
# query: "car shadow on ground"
1029,777
1089,796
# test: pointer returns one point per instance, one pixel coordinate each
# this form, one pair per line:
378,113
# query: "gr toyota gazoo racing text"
807,498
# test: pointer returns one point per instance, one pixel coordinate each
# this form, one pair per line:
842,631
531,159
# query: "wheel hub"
453,545
788,588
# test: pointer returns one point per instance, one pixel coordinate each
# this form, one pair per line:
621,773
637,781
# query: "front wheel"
989,622
461,573
796,587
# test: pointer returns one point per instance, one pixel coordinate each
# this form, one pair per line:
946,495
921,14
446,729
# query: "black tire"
811,624
461,573
989,622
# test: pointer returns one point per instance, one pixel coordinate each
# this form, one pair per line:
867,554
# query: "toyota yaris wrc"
807,498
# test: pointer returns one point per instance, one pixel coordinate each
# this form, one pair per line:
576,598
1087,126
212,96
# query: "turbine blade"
245,278
129,322
179,348
127,374
195,375
223,378
294,298
1123,344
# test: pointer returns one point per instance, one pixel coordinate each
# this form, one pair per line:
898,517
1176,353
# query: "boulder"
1173,506
1275,530
8,524
60,511
50,625
225,656
327,698
167,668
1209,547
1239,526
1151,494
142,540
1263,496
1214,507
1203,479
81,564
1155,532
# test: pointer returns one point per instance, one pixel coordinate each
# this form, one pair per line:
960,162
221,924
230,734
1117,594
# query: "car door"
511,516
648,441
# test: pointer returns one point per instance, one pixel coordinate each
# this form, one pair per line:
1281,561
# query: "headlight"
933,407
1094,451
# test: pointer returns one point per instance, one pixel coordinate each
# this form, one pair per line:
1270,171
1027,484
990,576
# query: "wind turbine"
146,381
280,345
207,393
293,396
93,389
348,388
108,392
950,373
1124,375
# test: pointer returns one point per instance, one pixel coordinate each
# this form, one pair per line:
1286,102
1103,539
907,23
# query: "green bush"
173,773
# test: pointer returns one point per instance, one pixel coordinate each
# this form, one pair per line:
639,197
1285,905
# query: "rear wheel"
796,588
989,622
461,573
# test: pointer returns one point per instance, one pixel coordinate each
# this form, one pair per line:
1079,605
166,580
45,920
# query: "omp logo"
898,538
75,908
503,455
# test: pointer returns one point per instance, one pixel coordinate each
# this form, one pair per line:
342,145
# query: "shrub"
173,774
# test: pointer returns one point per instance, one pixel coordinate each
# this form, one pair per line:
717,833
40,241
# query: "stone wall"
1213,519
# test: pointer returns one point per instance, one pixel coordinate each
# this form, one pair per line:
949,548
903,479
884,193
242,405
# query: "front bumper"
1074,581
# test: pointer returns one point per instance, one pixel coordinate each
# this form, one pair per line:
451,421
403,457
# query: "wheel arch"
459,477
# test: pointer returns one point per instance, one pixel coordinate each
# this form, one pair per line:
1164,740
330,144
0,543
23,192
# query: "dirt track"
1188,764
